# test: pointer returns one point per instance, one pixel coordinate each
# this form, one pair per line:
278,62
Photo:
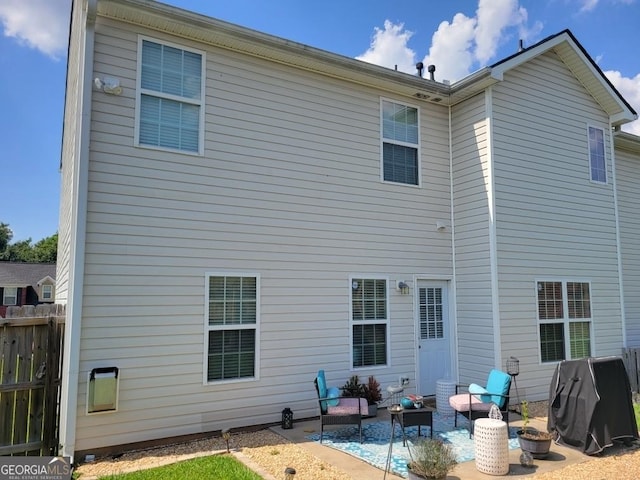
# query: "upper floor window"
10,296
597,162
47,292
400,143
564,316
231,322
170,108
369,321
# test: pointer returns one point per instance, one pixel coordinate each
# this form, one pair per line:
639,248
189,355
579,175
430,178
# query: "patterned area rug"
374,448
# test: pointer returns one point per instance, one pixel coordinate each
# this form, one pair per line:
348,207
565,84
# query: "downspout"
71,365
454,303
493,247
623,315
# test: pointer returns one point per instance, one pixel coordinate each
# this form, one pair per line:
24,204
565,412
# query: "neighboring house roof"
183,23
14,274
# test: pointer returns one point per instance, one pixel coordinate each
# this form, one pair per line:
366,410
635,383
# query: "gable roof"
14,274
584,68
158,16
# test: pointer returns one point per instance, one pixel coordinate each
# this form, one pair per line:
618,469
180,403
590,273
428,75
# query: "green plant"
532,433
431,458
353,388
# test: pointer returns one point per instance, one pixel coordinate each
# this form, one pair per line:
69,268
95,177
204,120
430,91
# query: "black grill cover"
590,404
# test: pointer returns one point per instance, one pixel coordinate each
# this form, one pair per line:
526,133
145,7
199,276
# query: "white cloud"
588,5
451,46
389,48
39,24
457,47
629,88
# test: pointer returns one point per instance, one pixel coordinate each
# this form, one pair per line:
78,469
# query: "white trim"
493,234
452,283
614,185
207,329
201,102
404,144
78,224
387,322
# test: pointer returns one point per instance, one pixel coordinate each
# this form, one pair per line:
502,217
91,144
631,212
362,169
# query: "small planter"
373,410
535,442
415,476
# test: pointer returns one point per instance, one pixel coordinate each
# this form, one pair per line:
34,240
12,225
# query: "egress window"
564,317
170,97
232,327
369,322
400,143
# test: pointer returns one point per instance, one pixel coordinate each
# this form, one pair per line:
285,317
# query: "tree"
44,251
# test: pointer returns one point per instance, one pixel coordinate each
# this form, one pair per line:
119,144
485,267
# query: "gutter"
71,355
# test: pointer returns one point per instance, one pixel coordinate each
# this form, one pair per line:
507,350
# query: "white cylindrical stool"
444,389
491,440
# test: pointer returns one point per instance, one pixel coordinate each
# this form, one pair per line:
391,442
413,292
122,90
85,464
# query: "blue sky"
457,36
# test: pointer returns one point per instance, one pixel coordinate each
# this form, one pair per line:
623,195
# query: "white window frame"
46,291
386,322
197,102
593,160
384,140
5,296
252,326
566,321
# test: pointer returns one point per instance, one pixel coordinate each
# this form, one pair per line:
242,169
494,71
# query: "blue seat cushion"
333,393
498,385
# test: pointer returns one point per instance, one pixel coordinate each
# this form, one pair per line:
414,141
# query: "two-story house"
26,284
239,210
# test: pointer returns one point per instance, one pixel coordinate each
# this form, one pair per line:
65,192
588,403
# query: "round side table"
444,389
491,442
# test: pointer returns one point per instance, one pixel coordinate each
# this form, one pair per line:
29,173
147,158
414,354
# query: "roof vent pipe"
431,69
420,67
520,45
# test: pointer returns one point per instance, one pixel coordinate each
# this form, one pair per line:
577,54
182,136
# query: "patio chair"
477,401
336,409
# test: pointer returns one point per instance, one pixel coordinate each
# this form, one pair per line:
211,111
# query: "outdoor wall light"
226,435
289,473
402,287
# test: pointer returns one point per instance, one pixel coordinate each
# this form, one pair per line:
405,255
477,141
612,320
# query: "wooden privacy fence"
31,345
631,359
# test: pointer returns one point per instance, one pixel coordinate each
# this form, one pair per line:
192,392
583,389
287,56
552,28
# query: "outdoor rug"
374,448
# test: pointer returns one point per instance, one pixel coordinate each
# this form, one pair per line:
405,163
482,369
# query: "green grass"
636,410
220,467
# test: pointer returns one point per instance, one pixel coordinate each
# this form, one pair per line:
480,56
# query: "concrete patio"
559,456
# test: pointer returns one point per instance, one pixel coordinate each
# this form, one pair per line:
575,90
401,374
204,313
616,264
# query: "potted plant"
531,440
353,388
430,459
373,394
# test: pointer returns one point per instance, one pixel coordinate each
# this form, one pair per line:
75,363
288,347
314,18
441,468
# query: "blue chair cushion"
498,383
322,389
334,393
479,392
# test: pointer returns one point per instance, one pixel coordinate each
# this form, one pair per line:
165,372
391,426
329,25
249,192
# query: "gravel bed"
271,453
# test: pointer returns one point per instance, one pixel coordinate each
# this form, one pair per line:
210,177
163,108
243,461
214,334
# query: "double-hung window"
171,96
47,292
400,143
231,323
564,316
369,322
597,162
10,296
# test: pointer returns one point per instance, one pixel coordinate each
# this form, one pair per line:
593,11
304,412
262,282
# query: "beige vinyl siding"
472,223
288,187
69,154
552,222
628,179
